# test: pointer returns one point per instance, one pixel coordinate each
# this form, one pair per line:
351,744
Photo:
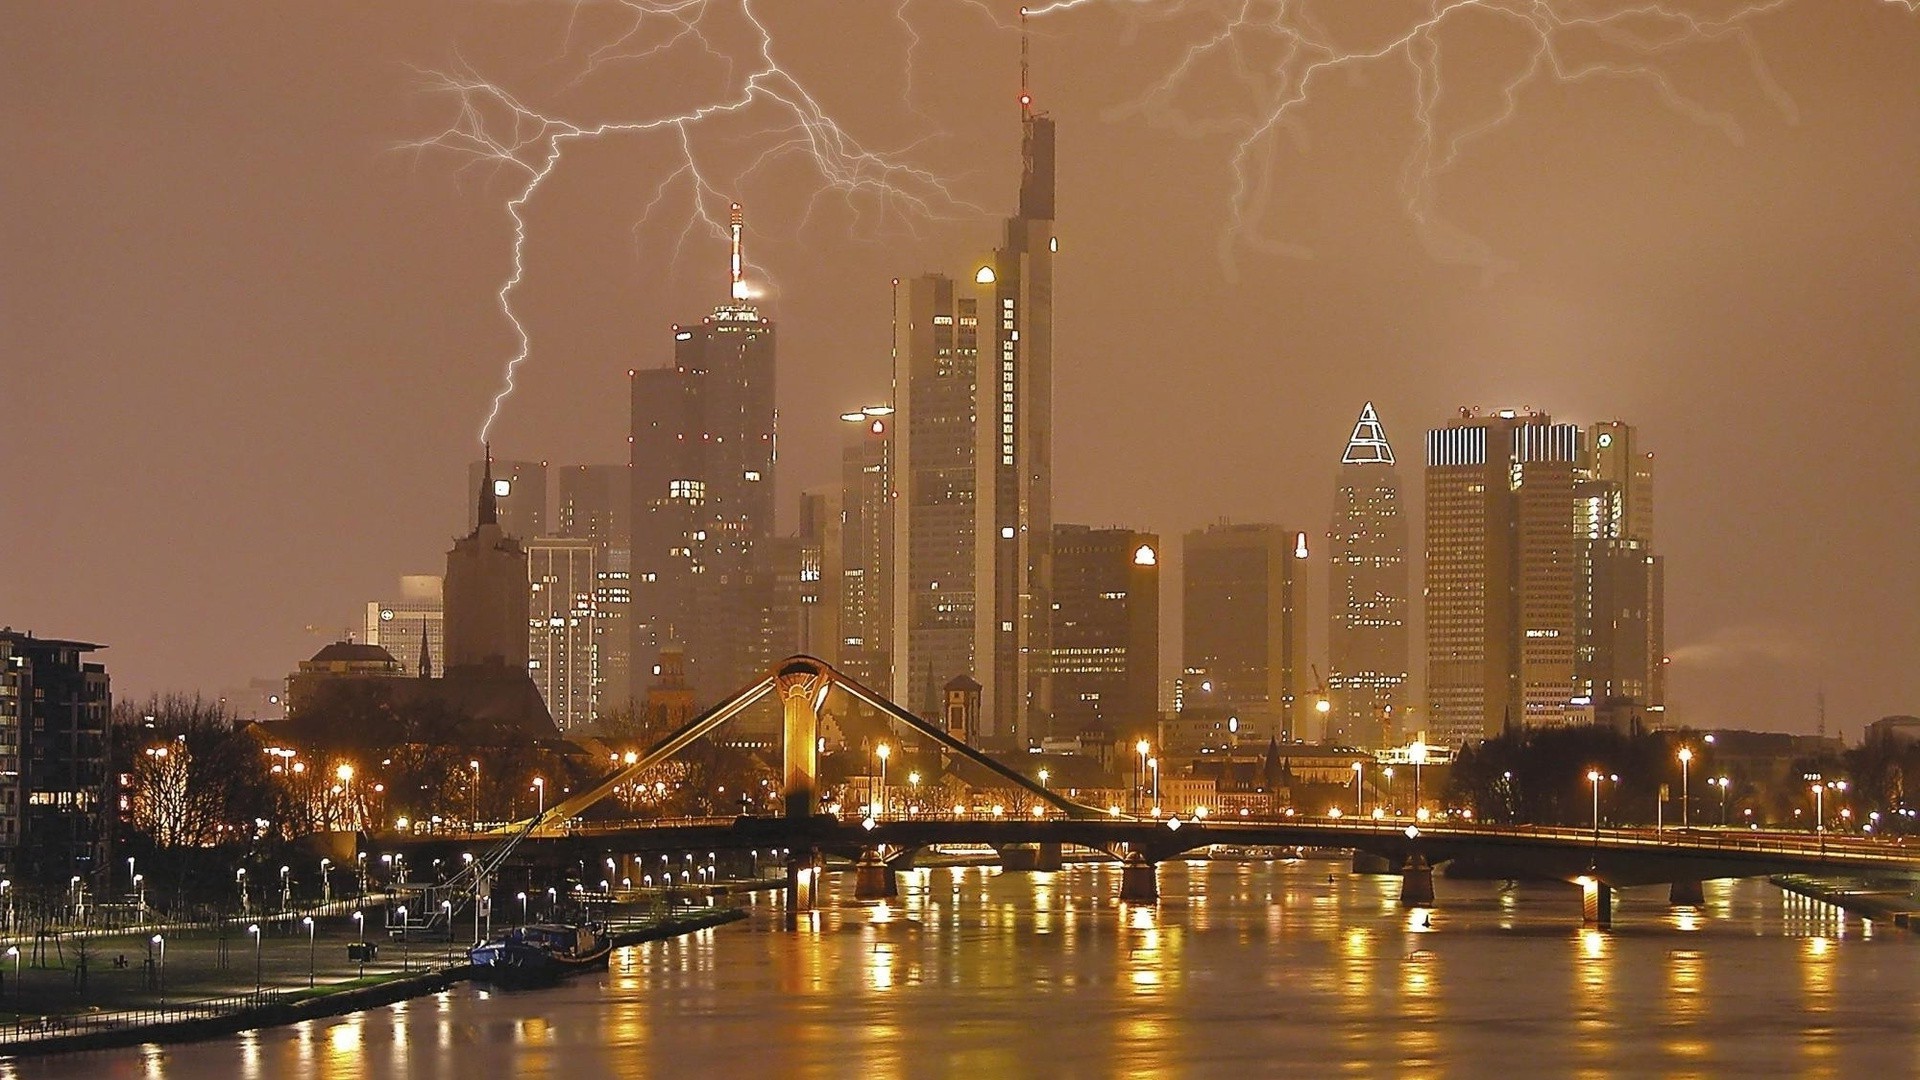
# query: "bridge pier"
1596,903
873,879
1366,862
1686,894
1416,882
1030,857
803,884
1139,880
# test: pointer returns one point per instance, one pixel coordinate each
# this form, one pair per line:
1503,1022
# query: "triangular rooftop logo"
1368,446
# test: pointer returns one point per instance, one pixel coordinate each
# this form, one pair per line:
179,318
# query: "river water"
1243,969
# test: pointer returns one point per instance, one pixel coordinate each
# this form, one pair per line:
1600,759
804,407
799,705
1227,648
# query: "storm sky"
248,335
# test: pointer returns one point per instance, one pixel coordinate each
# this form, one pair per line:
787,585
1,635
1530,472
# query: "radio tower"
734,222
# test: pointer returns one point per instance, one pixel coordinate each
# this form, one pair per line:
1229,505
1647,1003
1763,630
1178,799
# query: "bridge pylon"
802,684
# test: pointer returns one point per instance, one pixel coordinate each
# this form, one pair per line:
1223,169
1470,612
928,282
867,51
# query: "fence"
30,1029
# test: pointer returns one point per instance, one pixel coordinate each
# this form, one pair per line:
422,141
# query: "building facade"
1620,620
1242,644
595,504
866,546
56,807
1367,631
1106,631
562,628
413,619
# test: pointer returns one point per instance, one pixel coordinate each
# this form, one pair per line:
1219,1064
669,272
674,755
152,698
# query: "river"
1243,969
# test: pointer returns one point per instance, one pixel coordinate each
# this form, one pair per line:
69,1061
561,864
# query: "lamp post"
254,929
913,782
240,883
1721,783
540,790
1594,776
1141,747
1358,809
885,752
406,953
1388,773
312,949
522,897
474,764
1686,755
160,973
139,893
1153,766
360,929
326,882
1417,752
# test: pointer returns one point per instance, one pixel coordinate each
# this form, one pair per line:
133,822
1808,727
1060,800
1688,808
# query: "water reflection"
1243,969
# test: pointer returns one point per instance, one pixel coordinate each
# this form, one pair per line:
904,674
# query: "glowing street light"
540,789
1594,776
1141,747
160,973
1686,755
1358,809
885,752
254,929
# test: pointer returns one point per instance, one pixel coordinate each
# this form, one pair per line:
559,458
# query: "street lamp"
311,949
1388,773
406,953
1721,782
326,882
474,764
523,907
254,929
540,789
1358,809
1153,766
885,752
1594,776
913,781
1686,755
160,974
1141,747
360,930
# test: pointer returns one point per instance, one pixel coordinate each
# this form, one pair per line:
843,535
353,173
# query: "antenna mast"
734,222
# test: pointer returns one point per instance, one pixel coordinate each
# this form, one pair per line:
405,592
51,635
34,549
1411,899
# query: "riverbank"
1891,902
159,1021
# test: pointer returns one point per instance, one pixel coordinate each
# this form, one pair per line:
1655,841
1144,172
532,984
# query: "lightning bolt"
1277,52
1280,52
493,127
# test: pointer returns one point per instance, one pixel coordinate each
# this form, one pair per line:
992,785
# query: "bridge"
1598,860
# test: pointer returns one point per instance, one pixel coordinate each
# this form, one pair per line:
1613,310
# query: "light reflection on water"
1241,969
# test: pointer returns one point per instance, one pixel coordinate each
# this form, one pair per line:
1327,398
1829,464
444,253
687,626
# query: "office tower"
594,503
1367,593
866,545
1240,641
703,482
1502,564
1620,620
973,383
486,592
415,618
57,809
561,639
1106,630
519,495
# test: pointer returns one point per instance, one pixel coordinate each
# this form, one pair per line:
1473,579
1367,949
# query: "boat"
541,954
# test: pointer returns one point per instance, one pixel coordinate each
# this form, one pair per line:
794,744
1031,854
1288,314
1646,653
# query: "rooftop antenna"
734,222
1026,93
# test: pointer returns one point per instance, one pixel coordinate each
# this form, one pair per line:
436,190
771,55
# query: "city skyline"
1721,359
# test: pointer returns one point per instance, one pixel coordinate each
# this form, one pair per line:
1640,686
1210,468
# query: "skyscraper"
399,625
519,495
1501,573
703,483
1106,630
866,545
561,636
1367,593
595,504
486,591
973,383
1619,664
57,805
1240,639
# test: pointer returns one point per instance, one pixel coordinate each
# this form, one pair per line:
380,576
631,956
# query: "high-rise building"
973,386
519,495
1367,631
56,806
1502,567
866,545
703,483
1241,643
1619,666
595,503
412,626
486,592
561,639
1106,630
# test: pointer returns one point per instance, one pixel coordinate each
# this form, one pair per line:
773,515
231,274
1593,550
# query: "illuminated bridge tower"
973,386
1367,593
703,489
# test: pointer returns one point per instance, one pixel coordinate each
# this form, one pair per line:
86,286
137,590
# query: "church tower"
487,601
